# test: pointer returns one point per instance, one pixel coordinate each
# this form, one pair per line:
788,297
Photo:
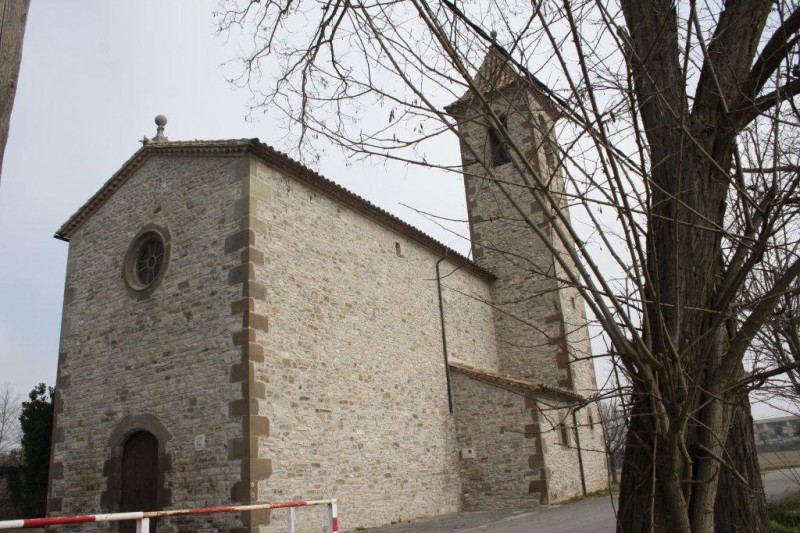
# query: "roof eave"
457,108
532,387
221,148
274,158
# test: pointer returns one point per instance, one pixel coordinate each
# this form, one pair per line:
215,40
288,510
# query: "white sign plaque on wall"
199,443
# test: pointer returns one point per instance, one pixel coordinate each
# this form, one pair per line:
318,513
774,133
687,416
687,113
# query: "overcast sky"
94,75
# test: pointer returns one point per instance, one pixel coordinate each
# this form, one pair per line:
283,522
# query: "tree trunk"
13,14
738,507
741,507
682,422
641,505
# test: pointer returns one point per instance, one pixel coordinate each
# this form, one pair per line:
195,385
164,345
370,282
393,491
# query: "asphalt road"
593,515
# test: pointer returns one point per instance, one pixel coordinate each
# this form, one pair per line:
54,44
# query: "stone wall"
353,369
468,318
561,454
159,360
500,449
593,446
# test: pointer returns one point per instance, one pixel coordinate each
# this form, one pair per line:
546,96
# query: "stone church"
237,328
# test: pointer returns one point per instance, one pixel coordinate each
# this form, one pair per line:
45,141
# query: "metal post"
143,525
444,335
333,517
290,520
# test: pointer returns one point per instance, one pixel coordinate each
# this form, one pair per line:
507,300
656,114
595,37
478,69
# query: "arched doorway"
139,491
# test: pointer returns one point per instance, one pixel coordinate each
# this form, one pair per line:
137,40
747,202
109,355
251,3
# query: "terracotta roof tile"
497,73
509,382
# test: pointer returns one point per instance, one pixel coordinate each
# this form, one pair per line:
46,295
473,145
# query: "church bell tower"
540,322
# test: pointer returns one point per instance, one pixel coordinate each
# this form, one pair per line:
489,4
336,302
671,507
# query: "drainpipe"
444,334
580,454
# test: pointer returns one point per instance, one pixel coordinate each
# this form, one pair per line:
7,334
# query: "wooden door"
139,477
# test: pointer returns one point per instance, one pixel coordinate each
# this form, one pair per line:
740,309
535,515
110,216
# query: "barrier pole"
143,517
333,517
290,527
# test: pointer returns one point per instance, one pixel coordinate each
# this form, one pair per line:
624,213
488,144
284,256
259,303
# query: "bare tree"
615,427
775,351
677,127
10,404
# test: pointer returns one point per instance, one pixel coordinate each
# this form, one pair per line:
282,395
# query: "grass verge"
614,490
784,516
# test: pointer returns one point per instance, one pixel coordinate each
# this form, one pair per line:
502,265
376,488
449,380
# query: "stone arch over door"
112,469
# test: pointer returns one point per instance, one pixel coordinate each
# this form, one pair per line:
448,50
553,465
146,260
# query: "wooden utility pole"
13,14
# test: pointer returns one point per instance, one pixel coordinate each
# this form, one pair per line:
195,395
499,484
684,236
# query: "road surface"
781,483
593,515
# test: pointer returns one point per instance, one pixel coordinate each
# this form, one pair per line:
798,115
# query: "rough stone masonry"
277,337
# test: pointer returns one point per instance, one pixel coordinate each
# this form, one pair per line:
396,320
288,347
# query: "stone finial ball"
493,34
161,120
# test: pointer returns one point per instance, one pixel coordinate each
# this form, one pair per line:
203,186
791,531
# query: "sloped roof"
497,73
522,386
275,159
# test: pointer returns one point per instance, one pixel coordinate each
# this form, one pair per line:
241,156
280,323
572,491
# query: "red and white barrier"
143,518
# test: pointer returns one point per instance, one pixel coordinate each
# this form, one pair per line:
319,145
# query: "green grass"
784,515
602,492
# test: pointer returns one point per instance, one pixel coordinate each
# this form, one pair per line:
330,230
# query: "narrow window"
563,434
591,422
500,154
549,142
397,249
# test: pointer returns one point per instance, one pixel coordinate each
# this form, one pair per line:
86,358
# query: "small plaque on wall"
468,453
199,443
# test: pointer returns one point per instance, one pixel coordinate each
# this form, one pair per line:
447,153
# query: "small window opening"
591,422
397,249
500,154
563,434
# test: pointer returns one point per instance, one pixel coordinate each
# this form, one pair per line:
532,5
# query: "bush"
785,515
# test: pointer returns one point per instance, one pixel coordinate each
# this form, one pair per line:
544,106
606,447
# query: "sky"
94,75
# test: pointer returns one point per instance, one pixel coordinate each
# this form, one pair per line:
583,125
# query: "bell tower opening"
500,154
